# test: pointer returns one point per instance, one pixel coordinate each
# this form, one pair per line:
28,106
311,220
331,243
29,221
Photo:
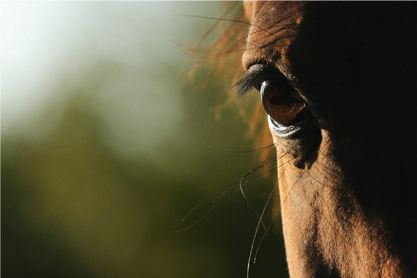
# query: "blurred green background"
106,147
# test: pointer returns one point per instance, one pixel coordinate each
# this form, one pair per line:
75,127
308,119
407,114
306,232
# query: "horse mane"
221,55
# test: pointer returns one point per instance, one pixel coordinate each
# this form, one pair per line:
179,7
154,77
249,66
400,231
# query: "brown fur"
348,196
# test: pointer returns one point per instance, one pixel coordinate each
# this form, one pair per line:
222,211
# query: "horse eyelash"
253,79
248,82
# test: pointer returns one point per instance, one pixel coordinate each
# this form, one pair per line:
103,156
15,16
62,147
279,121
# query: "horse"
338,84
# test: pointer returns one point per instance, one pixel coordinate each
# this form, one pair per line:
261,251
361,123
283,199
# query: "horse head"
338,82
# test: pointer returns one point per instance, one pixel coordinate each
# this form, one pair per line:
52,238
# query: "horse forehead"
271,12
272,28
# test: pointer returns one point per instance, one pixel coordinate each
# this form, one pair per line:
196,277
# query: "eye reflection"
282,104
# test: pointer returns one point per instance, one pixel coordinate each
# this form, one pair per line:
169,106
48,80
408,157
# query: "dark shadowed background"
106,146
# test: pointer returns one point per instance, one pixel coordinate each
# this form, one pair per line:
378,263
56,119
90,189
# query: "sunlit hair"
222,55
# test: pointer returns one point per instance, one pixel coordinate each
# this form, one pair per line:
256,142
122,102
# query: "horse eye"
281,103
